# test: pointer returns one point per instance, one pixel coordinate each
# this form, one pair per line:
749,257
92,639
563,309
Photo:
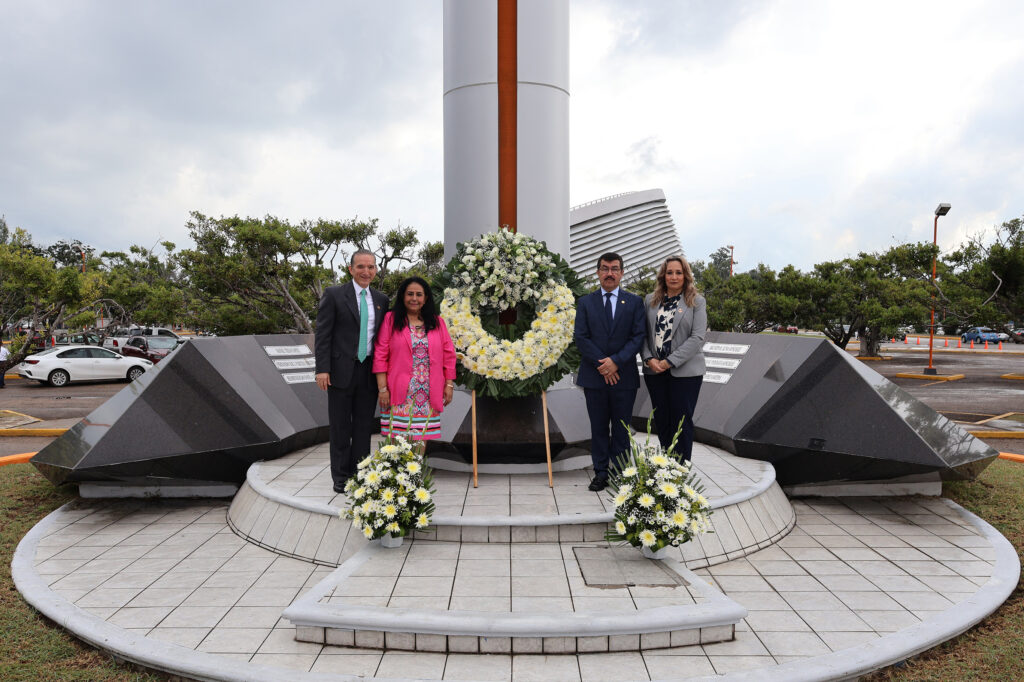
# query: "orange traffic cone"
918,342
945,343
972,344
1000,345
986,345
906,339
892,340
958,343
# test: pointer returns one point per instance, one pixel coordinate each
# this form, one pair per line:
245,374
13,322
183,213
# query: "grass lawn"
32,648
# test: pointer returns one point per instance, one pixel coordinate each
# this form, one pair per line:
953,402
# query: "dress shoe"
340,486
598,484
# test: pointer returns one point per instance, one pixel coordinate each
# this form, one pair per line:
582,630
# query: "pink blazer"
393,354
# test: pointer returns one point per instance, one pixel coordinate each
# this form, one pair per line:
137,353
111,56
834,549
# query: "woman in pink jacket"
414,360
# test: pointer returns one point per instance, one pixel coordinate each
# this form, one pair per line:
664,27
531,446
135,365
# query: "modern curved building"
636,225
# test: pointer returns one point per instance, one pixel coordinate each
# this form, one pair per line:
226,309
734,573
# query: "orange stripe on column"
507,84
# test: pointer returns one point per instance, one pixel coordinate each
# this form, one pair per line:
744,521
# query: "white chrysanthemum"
669,489
390,511
422,521
372,478
647,538
690,492
679,519
629,471
646,501
422,495
659,460
413,467
620,499
620,528
393,527
367,532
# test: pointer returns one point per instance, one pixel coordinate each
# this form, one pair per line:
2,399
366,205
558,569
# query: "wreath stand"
547,437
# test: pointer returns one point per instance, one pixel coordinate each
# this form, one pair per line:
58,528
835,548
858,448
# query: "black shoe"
340,486
599,483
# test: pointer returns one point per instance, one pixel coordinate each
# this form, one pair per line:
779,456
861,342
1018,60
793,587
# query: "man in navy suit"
609,333
347,322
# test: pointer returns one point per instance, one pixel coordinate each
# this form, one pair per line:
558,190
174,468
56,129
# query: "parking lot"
982,393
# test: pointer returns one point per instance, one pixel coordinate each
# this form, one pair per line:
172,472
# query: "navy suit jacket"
621,342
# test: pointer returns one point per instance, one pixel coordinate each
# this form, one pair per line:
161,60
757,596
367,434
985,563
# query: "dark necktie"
608,307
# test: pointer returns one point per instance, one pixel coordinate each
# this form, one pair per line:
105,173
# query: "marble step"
491,598
283,507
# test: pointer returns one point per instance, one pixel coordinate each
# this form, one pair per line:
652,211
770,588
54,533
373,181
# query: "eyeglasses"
605,269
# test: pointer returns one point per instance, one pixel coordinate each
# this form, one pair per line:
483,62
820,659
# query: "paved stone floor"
850,572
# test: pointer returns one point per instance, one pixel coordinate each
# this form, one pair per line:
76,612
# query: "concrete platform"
857,584
523,598
288,506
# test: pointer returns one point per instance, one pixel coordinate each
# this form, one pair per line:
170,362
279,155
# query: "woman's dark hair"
400,318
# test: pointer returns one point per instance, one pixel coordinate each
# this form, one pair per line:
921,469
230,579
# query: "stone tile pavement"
852,571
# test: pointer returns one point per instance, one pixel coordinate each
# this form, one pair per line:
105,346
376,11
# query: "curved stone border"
904,644
846,663
750,519
146,652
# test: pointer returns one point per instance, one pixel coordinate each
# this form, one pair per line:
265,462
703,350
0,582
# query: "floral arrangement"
391,492
659,501
497,272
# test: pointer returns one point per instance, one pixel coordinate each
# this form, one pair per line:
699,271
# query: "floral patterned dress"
663,327
413,419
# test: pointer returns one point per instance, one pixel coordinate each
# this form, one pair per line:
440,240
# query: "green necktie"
364,319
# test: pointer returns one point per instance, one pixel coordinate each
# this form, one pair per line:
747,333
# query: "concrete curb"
716,610
899,646
32,433
149,653
264,489
930,377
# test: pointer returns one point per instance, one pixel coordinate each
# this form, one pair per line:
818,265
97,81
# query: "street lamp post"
732,261
941,209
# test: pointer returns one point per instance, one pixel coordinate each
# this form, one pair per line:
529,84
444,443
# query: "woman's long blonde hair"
689,288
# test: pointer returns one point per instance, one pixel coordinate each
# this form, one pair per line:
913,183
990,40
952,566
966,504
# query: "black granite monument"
201,416
820,415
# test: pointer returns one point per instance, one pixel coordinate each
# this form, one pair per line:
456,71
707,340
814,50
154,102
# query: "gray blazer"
689,327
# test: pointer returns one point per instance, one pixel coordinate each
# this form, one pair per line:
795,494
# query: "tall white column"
471,159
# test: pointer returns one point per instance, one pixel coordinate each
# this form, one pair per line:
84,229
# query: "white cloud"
797,131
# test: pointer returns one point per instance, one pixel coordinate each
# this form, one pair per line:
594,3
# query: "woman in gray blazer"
677,320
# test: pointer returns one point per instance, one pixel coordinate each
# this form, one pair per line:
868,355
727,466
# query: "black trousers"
350,410
608,408
673,400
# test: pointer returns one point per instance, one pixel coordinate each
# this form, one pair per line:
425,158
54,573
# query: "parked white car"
59,365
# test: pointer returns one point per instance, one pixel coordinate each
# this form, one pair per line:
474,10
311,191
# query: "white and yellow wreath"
539,348
496,272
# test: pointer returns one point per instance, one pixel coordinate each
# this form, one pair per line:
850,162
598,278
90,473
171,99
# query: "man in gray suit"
347,322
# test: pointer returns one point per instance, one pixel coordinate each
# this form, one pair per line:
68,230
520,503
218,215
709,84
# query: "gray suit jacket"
689,326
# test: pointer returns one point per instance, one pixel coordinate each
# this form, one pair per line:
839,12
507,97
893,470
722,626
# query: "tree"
870,295
982,282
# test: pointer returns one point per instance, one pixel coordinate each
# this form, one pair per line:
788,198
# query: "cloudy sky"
797,131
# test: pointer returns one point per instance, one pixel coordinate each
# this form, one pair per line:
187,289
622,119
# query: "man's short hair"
610,257
361,252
